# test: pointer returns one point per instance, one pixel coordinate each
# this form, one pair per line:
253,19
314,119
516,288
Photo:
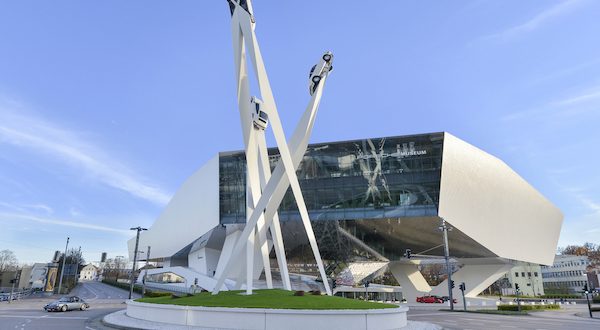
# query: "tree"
8,261
73,262
434,274
591,250
114,268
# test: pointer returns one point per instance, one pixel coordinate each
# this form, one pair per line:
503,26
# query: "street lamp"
135,253
146,273
444,228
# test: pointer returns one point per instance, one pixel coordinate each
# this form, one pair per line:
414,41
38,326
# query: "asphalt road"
547,320
27,314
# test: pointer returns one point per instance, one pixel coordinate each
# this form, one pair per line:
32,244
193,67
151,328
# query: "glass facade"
356,193
377,178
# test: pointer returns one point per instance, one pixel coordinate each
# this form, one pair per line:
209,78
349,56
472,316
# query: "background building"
528,277
89,272
369,200
567,274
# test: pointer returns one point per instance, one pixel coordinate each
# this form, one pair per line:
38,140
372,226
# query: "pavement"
566,318
27,314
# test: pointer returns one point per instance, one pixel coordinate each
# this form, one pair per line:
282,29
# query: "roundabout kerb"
269,319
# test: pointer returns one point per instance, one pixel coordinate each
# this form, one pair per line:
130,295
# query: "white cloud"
585,96
57,222
19,127
575,104
537,21
27,207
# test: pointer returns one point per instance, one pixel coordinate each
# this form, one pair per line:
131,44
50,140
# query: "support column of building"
477,277
230,239
410,278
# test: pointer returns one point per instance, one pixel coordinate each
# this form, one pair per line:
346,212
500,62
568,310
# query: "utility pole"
145,272
16,279
444,228
62,269
135,253
587,297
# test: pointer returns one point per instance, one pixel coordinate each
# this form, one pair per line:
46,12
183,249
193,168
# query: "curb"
114,325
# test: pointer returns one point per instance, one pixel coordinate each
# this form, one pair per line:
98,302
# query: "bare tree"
8,261
114,268
591,250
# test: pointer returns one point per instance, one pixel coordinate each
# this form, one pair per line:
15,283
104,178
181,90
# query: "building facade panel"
485,198
193,211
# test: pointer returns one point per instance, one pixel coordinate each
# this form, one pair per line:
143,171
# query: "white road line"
431,314
89,328
41,317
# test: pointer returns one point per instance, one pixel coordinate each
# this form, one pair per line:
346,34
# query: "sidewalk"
119,320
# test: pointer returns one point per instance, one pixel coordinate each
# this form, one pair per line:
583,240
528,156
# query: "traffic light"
407,253
517,287
452,284
462,286
585,288
367,284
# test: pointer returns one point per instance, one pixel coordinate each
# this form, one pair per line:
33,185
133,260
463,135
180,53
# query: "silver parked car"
66,304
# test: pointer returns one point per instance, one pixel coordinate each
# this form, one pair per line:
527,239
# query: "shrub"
526,307
559,295
299,293
152,294
315,292
596,300
124,286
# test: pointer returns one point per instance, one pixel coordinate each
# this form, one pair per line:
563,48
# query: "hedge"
527,307
596,300
548,296
124,286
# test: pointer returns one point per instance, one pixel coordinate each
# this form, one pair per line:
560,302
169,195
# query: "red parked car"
430,300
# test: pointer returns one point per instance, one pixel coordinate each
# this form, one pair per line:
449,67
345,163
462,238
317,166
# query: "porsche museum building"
368,200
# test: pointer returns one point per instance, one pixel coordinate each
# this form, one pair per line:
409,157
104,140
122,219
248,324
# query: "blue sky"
106,107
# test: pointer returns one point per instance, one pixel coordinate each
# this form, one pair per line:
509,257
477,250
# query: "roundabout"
268,309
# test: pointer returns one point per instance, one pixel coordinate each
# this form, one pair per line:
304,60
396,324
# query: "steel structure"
265,189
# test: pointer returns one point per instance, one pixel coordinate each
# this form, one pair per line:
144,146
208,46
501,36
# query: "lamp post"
62,269
146,273
444,228
135,253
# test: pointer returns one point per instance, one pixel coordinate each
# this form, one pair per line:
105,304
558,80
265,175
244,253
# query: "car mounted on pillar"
318,71
259,117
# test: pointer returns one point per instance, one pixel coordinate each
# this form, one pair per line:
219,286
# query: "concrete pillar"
410,278
477,277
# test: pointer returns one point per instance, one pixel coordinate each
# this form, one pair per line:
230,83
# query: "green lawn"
276,299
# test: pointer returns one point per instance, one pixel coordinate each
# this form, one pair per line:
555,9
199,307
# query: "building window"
528,274
516,274
523,274
535,274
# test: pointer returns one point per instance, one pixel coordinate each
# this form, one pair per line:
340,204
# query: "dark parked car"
446,298
66,304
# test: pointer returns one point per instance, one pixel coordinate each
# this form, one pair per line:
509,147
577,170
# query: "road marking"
46,316
431,314
89,328
507,326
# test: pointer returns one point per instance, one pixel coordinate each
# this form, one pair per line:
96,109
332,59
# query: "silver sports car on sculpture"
67,303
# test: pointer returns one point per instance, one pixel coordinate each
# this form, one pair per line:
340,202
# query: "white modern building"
369,200
567,274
